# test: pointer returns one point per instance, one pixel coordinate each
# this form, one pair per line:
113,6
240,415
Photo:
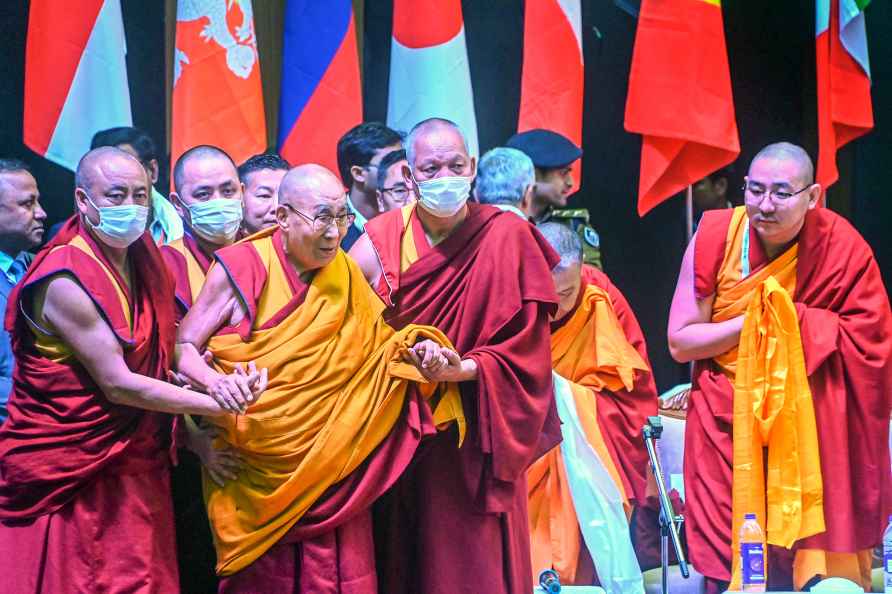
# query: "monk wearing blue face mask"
208,195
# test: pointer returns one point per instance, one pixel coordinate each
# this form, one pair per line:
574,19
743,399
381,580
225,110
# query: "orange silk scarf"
773,405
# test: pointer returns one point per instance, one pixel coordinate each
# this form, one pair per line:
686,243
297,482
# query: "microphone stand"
670,523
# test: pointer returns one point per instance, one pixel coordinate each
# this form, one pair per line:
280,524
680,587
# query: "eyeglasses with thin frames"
401,193
322,222
758,192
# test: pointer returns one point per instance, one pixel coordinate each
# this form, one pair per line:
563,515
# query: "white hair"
503,176
564,241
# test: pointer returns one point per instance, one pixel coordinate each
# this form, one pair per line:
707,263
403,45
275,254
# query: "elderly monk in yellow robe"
347,400
782,309
581,491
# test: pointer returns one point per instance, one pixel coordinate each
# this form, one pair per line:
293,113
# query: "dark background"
771,55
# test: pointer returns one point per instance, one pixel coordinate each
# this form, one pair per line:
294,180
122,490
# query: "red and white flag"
217,95
429,72
551,88
75,76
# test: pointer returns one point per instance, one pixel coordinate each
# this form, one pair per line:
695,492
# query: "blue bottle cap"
749,517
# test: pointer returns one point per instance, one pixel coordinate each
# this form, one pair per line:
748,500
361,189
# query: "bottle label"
752,557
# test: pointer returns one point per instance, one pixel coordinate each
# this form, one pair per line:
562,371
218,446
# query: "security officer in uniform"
553,155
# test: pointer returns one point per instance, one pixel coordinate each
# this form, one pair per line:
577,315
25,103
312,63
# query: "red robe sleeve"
846,328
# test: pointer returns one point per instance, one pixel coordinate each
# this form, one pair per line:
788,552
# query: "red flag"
680,97
845,111
552,84
217,97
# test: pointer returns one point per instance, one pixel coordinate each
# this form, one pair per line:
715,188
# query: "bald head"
199,153
305,186
434,132
789,152
103,160
312,216
564,241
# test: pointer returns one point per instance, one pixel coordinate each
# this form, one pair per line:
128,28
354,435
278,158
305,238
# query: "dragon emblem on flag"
241,47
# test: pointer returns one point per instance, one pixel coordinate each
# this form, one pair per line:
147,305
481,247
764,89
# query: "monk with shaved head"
781,307
208,195
346,407
458,518
84,471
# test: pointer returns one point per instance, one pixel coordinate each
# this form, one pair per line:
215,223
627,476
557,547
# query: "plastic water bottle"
887,557
752,555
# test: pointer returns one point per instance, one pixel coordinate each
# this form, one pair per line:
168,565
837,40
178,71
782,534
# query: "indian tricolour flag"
845,111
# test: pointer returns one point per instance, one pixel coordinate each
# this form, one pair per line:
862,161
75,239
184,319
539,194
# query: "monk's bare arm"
692,336
217,306
70,314
363,252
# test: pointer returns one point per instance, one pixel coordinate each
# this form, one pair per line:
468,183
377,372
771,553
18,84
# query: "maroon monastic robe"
457,520
178,256
846,329
84,483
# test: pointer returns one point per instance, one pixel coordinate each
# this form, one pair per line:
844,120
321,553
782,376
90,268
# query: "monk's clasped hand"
428,357
234,392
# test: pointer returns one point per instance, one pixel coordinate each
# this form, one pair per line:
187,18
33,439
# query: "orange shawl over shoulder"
592,352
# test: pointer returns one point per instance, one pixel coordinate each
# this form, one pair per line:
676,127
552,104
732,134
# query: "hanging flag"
75,76
845,111
217,97
321,90
680,97
429,72
552,82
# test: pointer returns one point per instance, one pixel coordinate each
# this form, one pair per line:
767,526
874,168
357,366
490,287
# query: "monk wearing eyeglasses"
781,307
347,403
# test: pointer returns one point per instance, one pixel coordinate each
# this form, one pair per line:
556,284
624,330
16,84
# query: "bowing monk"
208,195
84,471
457,520
342,416
612,392
782,309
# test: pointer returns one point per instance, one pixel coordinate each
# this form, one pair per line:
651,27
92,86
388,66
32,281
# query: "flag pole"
689,233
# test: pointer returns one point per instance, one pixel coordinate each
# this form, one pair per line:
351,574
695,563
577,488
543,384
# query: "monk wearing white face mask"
209,198
85,502
483,277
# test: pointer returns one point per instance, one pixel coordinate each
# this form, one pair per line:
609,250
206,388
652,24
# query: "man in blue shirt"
21,229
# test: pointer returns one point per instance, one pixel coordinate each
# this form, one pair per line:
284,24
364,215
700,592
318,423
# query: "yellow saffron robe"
337,384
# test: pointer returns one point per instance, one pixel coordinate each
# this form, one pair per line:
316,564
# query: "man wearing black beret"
553,155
